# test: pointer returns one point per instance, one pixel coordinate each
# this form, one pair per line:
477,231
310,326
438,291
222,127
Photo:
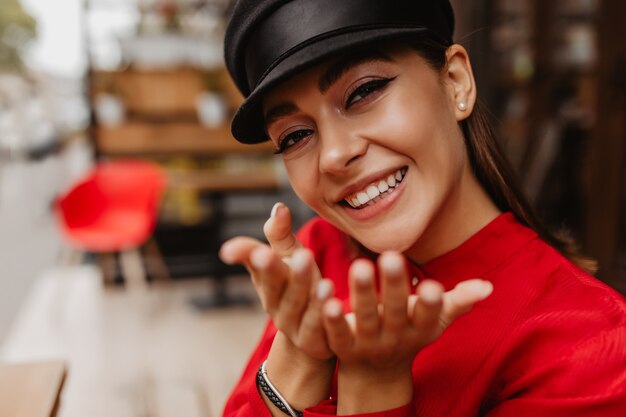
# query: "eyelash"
364,90
295,136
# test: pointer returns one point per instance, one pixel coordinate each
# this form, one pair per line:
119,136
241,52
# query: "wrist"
302,380
365,390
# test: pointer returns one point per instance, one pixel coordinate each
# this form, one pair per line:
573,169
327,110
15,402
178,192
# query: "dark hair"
492,168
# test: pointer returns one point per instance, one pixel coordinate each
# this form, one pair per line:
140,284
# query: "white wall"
59,48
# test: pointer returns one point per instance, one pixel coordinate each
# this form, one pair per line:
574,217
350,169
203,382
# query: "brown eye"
292,139
366,89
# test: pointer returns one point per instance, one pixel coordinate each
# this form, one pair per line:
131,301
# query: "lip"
364,182
369,212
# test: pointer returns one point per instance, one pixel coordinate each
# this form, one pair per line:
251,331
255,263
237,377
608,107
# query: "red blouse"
550,340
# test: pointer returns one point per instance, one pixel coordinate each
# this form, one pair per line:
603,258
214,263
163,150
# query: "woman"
373,110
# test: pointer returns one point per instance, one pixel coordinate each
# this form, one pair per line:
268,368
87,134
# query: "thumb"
462,298
278,231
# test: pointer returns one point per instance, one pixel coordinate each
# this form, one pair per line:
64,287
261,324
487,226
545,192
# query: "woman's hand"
299,364
287,280
377,342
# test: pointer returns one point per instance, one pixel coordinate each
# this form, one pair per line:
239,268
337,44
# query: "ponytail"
496,175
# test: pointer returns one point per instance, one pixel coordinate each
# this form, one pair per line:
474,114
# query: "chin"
391,243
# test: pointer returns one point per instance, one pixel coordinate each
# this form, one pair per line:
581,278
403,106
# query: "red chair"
114,208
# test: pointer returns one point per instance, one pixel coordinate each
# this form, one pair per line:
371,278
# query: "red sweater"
549,342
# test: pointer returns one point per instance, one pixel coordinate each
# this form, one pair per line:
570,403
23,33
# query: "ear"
460,79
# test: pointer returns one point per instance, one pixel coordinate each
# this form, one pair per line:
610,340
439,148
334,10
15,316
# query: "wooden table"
31,389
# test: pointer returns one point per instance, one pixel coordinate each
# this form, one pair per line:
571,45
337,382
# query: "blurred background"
113,110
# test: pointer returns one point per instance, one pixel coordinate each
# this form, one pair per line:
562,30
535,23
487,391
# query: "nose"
340,148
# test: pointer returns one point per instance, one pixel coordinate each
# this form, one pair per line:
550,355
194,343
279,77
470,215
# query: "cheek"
422,128
303,178
411,125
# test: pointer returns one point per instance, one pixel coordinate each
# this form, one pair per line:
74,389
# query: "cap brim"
248,125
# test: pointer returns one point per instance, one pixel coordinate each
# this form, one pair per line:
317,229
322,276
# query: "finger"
277,229
296,295
411,304
312,332
270,274
395,291
338,332
462,298
237,250
363,298
428,305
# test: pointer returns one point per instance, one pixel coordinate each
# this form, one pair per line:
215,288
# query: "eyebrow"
339,68
281,110
327,80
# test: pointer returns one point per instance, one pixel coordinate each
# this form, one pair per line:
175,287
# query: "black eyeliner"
282,147
376,84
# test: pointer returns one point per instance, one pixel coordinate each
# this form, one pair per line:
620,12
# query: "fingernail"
299,261
275,209
430,292
392,262
324,288
225,254
333,309
480,288
260,258
485,290
362,271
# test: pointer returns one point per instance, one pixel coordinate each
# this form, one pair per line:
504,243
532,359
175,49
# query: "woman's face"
372,144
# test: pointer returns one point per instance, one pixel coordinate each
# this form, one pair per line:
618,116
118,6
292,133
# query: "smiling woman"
356,121
374,111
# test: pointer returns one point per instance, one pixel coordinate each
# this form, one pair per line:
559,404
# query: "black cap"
267,41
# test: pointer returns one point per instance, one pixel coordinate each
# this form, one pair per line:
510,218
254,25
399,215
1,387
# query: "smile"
376,191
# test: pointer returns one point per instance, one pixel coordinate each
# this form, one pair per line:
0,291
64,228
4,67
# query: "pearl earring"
462,106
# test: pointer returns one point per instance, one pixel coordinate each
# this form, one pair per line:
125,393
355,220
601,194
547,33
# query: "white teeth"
378,191
372,191
383,186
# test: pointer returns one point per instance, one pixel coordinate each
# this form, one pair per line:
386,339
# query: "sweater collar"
478,255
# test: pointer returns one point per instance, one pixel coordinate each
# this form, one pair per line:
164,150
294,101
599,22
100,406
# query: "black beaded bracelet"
263,383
